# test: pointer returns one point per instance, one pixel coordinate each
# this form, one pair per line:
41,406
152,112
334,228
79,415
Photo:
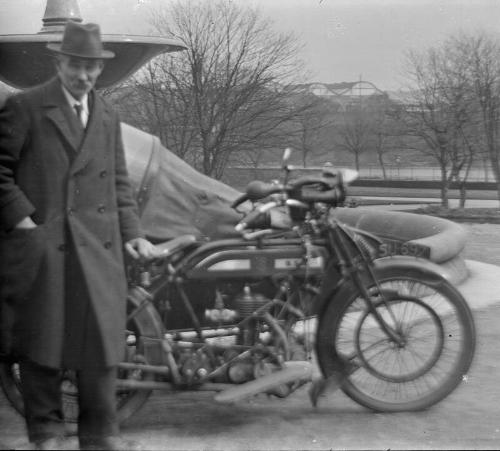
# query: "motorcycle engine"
247,302
240,306
233,302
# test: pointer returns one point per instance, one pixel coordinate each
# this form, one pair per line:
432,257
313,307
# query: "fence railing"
422,173
368,172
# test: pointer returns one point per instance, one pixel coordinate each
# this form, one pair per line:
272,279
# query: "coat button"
107,244
71,211
62,247
103,174
101,208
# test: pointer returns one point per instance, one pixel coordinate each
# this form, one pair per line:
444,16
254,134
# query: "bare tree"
383,128
309,128
482,53
353,132
228,93
441,109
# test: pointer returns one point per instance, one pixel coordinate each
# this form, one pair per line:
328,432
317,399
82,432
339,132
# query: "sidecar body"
173,198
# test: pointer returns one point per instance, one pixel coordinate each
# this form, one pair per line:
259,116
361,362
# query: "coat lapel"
59,113
98,124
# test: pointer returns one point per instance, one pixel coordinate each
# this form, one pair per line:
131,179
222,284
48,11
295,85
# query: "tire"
11,387
437,351
145,323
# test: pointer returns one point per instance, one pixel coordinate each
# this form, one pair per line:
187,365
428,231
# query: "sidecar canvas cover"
173,198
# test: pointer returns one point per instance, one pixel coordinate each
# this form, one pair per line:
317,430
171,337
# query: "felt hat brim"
56,48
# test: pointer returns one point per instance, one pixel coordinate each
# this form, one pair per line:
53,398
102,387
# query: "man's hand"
26,223
140,248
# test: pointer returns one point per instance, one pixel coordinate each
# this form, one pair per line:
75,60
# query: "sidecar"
173,198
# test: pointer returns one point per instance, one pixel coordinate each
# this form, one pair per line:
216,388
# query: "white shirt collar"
72,101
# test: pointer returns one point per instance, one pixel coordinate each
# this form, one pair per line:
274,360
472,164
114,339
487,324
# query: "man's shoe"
112,443
56,443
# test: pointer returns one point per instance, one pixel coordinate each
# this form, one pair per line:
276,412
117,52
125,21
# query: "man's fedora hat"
81,40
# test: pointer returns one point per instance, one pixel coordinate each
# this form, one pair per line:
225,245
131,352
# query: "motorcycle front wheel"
428,360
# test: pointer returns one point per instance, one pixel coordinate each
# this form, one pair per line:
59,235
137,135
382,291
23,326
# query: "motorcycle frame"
350,258
194,266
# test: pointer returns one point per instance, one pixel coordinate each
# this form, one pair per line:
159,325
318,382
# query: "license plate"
394,247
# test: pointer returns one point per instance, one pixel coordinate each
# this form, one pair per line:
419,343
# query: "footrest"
291,372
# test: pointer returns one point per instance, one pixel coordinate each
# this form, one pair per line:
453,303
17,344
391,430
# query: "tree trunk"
495,167
444,195
445,186
485,167
382,165
463,194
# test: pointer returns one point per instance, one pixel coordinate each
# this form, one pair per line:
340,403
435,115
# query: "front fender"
430,270
334,286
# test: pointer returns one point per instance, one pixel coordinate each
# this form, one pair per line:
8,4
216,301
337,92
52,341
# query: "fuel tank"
254,260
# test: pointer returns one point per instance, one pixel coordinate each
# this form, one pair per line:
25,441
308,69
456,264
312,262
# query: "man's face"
78,75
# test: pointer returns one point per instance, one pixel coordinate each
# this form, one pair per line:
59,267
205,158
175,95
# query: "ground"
483,243
468,419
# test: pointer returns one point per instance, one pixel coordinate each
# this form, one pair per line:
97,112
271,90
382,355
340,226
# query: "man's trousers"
43,402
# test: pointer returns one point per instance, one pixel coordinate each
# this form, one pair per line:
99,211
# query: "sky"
343,40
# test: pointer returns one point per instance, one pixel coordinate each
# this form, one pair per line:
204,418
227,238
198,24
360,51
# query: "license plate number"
393,247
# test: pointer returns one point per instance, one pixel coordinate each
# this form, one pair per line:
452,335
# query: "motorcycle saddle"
171,247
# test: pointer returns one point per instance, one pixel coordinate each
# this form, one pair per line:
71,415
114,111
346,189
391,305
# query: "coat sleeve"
127,207
14,132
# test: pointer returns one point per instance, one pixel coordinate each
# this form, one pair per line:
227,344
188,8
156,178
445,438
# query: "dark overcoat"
73,184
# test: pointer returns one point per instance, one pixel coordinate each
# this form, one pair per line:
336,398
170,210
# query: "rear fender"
142,312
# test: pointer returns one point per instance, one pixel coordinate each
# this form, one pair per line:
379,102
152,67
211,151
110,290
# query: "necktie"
79,110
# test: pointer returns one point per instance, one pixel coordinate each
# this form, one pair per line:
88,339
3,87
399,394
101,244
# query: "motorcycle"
262,312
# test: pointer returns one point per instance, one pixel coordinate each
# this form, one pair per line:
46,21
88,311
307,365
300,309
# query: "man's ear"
57,61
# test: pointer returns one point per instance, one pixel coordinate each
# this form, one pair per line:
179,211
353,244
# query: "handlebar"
250,220
257,190
328,188
257,218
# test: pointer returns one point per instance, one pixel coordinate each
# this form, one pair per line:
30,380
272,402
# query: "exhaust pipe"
131,384
292,372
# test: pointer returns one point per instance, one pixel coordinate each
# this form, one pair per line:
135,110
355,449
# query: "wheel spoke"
434,349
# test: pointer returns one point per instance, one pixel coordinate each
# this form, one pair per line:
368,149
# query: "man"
66,213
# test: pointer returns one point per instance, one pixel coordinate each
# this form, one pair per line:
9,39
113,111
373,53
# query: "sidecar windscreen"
173,198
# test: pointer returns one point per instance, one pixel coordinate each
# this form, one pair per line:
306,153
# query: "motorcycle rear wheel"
127,401
436,352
